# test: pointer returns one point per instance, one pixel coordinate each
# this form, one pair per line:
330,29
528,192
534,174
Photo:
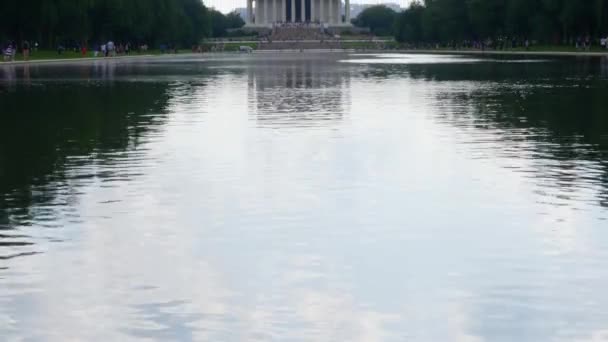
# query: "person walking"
111,49
8,53
25,48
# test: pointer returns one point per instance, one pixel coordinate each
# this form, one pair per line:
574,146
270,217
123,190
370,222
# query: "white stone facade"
264,13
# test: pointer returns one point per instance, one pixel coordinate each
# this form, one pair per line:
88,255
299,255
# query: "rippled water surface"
305,197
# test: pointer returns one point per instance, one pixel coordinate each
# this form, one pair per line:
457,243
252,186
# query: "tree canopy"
379,19
220,23
50,22
548,21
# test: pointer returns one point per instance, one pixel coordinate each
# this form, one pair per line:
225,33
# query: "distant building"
266,12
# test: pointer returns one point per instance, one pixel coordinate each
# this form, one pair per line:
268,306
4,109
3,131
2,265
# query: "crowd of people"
305,31
307,24
511,43
10,49
297,32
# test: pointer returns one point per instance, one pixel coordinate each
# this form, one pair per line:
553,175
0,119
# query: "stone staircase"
300,45
297,33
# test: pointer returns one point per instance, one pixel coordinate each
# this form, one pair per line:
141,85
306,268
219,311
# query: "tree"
486,17
73,22
234,20
452,21
220,23
518,17
408,27
379,19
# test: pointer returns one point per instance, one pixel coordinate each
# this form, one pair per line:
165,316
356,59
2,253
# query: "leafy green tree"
408,27
552,21
486,17
220,23
234,20
379,19
51,22
577,17
451,19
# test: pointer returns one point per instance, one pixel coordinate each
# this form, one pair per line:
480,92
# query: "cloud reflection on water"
283,198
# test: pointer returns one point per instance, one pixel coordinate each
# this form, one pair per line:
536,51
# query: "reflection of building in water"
298,93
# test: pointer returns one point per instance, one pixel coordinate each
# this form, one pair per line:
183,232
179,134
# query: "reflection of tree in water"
301,92
50,144
554,116
496,68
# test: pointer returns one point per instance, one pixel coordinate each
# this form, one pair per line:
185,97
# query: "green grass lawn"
51,54
47,54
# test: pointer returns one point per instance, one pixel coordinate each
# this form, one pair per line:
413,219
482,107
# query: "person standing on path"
25,48
111,49
8,53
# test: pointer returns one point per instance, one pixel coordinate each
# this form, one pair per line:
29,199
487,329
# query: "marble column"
321,11
313,18
250,11
303,11
347,12
275,14
284,10
331,11
293,11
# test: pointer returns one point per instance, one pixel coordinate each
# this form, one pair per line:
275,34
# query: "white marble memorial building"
263,13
